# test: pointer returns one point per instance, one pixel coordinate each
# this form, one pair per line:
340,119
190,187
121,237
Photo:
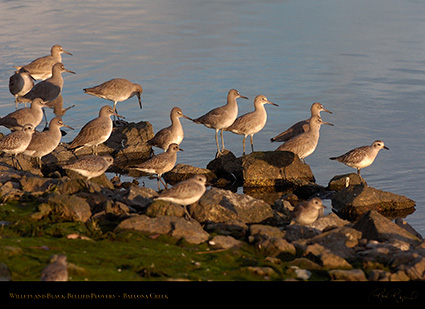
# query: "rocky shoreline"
358,242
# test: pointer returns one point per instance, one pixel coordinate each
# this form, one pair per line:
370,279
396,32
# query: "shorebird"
17,119
361,157
308,211
186,192
160,164
116,90
41,68
221,117
253,122
96,131
304,144
48,89
43,143
16,142
171,134
20,84
90,166
56,271
301,126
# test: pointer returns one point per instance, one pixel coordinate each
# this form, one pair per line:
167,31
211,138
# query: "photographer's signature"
393,295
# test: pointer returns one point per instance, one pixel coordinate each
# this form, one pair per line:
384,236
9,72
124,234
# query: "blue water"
363,60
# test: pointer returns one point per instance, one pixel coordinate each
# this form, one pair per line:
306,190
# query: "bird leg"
243,143
160,179
222,141
218,146
252,144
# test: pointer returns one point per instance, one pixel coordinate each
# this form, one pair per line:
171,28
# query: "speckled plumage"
17,119
308,211
90,166
186,192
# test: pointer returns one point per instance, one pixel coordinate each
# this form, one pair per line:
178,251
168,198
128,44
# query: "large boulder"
275,168
354,201
219,205
182,172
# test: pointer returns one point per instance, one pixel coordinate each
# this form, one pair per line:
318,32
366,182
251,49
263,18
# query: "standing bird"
308,211
361,157
301,126
160,164
57,270
171,134
49,89
16,142
96,131
186,192
116,90
20,84
17,119
41,68
253,122
221,117
43,143
305,144
90,166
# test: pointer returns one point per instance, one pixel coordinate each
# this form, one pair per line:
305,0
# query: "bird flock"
301,138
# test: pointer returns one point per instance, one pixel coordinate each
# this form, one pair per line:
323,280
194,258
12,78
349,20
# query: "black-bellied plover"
57,270
16,142
171,134
301,126
20,84
186,192
221,117
90,166
43,143
116,90
17,119
41,68
304,144
361,157
96,131
308,211
253,122
160,164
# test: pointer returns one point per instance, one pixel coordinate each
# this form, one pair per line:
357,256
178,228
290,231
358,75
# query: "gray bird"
57,270
16,142
17,119
20,84
90,166
308,211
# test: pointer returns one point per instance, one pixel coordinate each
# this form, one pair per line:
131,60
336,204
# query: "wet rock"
228,167
347,275
184,171
341,182
295,232
69,207
375,226
37,184
354,201
219,205
275,168
190,231
234,228
225,242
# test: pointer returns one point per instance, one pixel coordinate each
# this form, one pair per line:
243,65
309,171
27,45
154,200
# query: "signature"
393,295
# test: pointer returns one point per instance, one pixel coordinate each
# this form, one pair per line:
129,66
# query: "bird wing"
181,190
298,128
353,156
92,131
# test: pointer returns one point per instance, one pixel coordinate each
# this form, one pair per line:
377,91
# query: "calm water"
363,60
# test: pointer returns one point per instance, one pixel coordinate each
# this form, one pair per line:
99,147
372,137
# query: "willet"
172,134
48,89
308,211
20,84
221,117
41,68
43,143
116,90
56,270
17,119
253,122
186,192
96,131
16,142
304,144
361,157
90,166
160,164
301,126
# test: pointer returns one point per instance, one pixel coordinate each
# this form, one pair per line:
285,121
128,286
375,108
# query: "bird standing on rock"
308,211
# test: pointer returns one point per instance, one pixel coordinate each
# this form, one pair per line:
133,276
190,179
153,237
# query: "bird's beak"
65,125
69,71
385,147
187,117
140,101
272,103
325,110
115,114
180,149
243,97
329,124
64,51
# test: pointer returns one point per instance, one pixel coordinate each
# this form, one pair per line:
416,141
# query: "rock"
219,205
139,198
37,184
328,221
70,207
227,166
276,247
340,182
184,171
275,168
354,201
163,208
5,274
347,275
259,231
234,228
403,224
324,257
190,231
224,242
377,227
295,232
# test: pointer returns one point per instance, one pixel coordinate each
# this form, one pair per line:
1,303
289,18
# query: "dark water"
363,60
